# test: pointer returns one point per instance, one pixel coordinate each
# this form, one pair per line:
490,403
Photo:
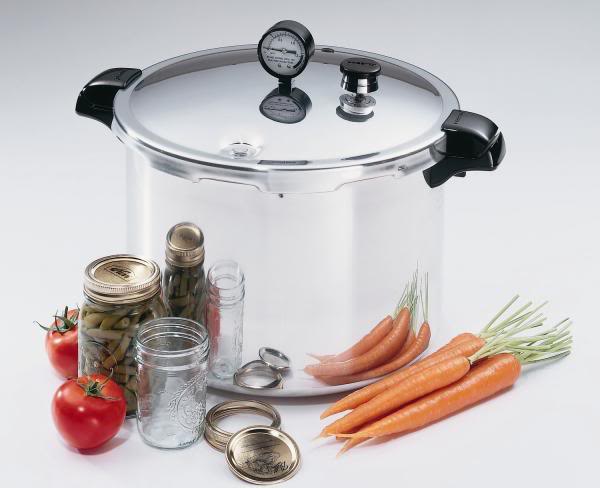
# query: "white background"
532,227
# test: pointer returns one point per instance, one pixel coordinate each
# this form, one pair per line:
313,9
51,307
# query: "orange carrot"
350,443
379,354
375,336
463,337
410,338
355,441
412,388
417,348
486,378
363,395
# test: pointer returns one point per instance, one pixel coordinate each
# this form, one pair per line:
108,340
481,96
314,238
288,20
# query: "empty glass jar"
172,366
225,317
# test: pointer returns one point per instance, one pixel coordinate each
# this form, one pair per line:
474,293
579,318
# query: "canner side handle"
96,98
472,143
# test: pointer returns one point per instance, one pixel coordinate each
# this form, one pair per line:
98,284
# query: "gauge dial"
285,49
284,107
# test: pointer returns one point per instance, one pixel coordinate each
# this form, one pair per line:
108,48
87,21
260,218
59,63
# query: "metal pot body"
324,187
321,268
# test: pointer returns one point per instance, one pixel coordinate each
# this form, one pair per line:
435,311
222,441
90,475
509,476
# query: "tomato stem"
62,323
94,388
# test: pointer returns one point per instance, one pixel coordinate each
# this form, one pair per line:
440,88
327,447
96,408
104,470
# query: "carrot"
465,336
504,354
486,378
435,390
412,352
379,354
463,344
350,443
410,338
376,335
414,387
355,441
363,395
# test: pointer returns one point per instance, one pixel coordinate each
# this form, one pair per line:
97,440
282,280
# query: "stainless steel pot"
325,187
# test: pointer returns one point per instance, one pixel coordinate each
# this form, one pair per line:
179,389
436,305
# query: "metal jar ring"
218,437
258,365
274,358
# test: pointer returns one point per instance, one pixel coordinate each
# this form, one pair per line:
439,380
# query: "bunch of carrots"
389,346
468,369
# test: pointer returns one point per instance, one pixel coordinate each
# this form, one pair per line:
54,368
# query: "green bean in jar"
184,279
121,292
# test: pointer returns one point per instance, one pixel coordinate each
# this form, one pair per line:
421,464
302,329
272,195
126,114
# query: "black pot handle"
97,97
472,143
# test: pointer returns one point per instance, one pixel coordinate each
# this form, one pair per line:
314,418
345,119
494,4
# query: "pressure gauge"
286,106
284,50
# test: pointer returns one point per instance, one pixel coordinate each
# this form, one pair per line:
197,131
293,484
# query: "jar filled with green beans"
121,292
184,279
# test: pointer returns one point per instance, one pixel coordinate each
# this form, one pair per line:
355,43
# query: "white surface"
532,227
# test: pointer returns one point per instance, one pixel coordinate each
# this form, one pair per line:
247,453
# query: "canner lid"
218,114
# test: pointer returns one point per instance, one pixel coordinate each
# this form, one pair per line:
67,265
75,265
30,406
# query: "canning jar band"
267,353
121,278
218,437
117,304
258,365
177,253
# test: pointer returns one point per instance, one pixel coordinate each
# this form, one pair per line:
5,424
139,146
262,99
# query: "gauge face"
286,108
283,53
282,109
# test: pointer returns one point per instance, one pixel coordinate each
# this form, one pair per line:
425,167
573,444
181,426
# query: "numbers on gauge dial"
283,53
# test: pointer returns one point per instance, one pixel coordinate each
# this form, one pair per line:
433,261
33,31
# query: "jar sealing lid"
121,278
185,245
263,455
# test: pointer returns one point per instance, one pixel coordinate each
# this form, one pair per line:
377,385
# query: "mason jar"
183,277
225,317
121,292
172,367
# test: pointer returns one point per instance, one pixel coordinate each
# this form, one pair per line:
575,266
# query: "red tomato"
88,411
61,344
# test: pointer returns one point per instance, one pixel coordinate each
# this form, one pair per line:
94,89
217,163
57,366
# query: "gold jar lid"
185,245
121,278
263,455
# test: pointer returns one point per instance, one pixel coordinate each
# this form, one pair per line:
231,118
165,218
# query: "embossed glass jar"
172,367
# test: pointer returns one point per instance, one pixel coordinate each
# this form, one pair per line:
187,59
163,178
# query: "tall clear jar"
225,317
121,292
172,368
183,278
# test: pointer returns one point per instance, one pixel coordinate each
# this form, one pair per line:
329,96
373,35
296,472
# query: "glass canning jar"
120,293
183,278
225,316
172,368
